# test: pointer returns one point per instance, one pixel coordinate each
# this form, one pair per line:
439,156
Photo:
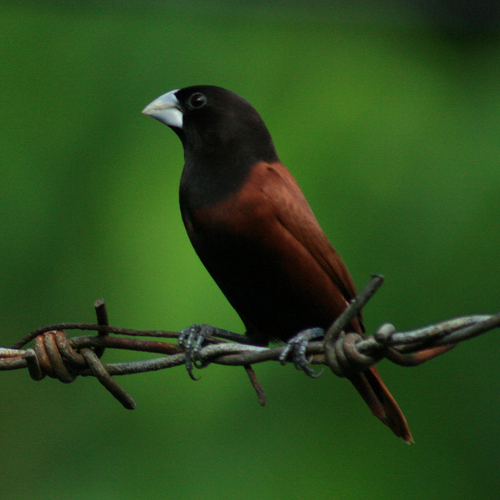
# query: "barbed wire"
56,355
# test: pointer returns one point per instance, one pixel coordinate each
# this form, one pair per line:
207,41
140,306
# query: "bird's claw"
297,346
191,340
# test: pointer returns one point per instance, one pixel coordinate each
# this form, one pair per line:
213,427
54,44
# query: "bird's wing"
295,215
297,218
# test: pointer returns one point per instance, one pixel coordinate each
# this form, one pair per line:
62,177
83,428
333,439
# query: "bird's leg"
191,340
297,345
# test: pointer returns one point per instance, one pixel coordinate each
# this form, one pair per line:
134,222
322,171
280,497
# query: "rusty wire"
57,356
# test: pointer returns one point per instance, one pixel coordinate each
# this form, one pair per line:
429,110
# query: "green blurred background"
389,117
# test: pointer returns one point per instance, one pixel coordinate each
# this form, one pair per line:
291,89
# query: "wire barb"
345,353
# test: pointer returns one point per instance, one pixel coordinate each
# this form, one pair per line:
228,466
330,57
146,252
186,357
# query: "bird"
255,232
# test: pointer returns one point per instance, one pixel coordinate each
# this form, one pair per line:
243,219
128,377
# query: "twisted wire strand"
57,356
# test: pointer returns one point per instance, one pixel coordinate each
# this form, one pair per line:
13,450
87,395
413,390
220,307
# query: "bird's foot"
297,346
191,339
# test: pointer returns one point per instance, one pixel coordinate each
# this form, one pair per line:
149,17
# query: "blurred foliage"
389,119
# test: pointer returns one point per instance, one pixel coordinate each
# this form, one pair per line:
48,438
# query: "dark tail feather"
381,403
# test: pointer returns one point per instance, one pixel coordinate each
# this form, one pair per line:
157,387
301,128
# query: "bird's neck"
207,181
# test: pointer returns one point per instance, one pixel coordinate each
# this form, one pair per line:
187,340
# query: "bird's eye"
197,100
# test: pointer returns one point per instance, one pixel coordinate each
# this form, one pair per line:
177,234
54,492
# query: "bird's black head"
216,123
223,138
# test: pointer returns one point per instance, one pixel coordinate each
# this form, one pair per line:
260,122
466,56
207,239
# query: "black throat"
207,181
210,175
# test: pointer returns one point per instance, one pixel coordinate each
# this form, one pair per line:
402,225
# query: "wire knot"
344,357
54,356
